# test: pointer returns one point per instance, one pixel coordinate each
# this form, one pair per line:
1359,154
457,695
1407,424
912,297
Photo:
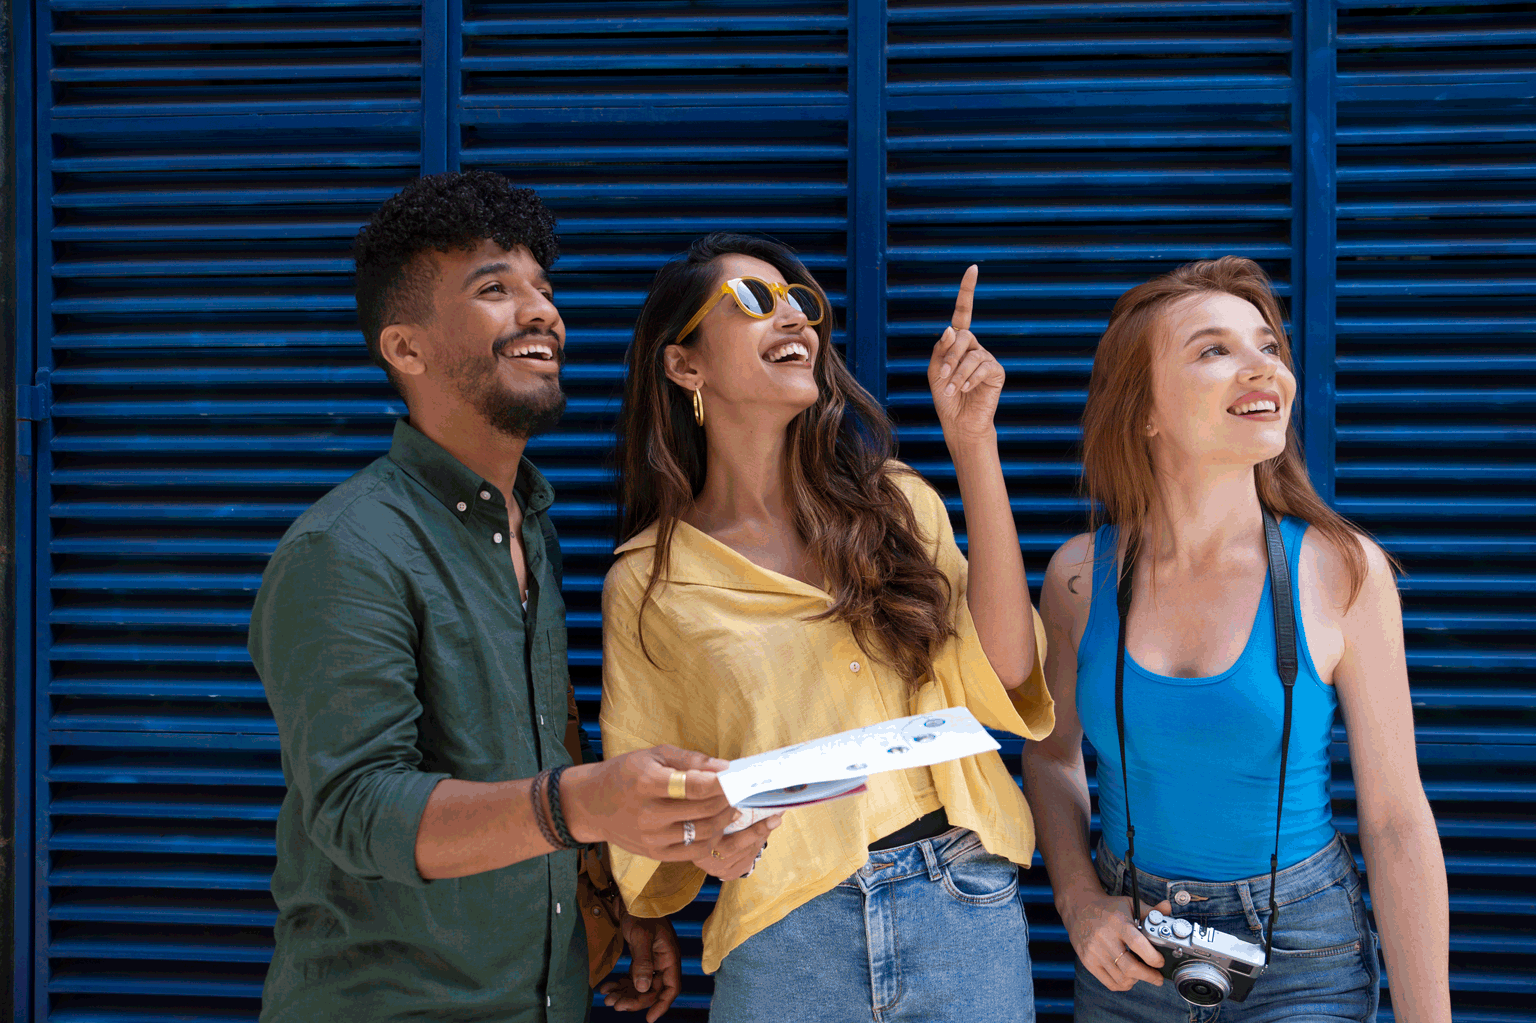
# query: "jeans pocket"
1321,925
980,879
1348,948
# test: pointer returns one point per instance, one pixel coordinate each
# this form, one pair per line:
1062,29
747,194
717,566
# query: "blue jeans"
1322,968
931,931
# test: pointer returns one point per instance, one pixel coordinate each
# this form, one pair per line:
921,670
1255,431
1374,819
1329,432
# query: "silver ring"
688,832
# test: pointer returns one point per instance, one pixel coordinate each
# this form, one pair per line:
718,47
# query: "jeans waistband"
1329,865
925,856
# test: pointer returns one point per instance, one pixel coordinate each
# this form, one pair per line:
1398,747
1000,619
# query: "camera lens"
1201,984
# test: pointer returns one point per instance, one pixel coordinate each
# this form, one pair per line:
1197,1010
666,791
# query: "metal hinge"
35,403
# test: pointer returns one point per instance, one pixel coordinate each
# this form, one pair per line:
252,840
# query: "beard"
521,414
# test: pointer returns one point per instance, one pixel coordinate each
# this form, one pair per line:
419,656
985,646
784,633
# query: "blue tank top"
1204,753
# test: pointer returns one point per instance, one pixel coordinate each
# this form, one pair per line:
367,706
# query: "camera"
1205,965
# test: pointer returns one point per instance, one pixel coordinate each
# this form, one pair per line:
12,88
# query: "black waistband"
929,825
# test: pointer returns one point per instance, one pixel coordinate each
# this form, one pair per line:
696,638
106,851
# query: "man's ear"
678,362
401,346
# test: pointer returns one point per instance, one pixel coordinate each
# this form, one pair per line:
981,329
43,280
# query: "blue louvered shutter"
643,126
201,165
201,170
1072,154
1436,443
1073,150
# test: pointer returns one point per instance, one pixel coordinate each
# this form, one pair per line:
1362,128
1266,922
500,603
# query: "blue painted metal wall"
198,167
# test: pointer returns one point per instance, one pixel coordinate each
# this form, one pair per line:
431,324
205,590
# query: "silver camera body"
1205,965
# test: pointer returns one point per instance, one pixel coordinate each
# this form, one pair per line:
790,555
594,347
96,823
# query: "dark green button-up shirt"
395,652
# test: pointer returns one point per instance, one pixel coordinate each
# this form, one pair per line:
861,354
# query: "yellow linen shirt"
739,670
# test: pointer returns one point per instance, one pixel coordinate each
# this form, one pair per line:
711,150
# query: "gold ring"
1123,951
677,785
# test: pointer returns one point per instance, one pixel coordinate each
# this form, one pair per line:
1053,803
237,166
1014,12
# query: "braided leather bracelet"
555,812
546,828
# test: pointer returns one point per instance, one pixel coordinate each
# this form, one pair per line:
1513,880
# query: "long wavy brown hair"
1117,455
849,511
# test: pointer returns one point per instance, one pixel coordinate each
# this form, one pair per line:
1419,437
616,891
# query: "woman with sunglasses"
782,578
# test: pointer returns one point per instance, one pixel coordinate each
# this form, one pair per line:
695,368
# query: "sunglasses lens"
806,301
754,296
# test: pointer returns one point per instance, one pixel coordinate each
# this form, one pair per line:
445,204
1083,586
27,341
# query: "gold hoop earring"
698,407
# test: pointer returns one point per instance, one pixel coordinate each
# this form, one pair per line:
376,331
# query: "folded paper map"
838,765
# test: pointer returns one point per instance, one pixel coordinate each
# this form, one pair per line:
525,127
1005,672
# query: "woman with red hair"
1205,637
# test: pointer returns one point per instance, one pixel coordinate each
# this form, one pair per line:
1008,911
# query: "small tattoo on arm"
1071,588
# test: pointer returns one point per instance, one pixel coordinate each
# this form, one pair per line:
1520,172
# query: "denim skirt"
1323,966
933,931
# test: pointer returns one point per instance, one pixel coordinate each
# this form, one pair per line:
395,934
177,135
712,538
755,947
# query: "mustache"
501,344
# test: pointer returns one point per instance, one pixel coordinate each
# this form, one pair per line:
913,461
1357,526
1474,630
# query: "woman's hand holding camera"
1109,943
966,380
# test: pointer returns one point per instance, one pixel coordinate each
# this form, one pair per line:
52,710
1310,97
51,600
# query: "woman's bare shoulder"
1069,577
1331,567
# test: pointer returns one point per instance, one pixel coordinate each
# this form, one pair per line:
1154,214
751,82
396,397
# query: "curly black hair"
456,210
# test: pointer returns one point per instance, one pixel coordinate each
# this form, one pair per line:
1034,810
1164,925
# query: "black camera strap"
1285,663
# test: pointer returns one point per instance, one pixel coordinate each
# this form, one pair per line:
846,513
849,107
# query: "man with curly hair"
410,635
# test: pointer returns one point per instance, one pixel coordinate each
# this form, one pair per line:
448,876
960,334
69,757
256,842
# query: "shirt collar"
698,558
451,481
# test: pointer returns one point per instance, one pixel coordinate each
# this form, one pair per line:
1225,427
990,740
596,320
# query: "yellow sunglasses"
758,298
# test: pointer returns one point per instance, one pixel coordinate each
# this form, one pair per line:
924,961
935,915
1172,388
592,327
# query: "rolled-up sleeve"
333,638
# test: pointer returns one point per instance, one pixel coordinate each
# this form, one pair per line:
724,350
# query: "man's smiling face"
496,340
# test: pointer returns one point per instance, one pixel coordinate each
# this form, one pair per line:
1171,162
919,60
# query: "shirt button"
485,495
541,719
557,908
597,910
496,537
1182,898
854,667
462,506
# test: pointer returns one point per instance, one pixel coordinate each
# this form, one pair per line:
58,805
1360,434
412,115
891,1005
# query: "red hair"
1117,457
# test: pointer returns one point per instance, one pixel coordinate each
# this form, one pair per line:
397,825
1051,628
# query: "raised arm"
967,381
1397,829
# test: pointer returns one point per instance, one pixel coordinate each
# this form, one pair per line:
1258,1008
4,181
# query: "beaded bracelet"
546,828
555,812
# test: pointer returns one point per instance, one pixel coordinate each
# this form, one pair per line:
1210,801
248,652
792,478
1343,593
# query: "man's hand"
655,969
624,801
